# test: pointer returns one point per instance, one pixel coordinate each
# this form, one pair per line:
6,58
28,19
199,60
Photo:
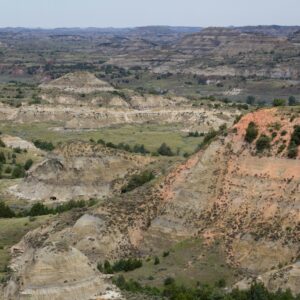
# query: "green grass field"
151,135
188,262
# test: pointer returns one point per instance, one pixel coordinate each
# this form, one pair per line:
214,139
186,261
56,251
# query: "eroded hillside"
79,170
241,203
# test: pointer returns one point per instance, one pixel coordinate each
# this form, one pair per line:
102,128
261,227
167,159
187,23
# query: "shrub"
169,281
106,268
119,281
221,283
101,142
242,106
279,102
292,150
2,158
70,205
111,145
125,265
138,180
195,134
250,100
186,154
281,148
165,150
17,150
137,149
47,146
166,253
237,119
263,143
294,143
208,138
39,209
251,132
172,291
18,172
5,211
8,170
2,144
28,164
156,260
296,135
292,101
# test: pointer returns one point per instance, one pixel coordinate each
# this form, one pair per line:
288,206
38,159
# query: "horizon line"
140,26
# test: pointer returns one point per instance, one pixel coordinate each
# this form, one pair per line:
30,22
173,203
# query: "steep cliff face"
93,118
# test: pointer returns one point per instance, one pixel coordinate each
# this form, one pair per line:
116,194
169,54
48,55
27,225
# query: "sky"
131,13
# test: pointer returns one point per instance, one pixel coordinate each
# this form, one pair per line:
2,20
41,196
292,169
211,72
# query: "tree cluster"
121,265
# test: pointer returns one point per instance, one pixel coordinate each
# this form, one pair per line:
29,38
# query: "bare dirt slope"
78,82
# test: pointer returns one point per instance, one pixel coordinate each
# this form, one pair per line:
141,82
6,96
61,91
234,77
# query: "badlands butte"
150,163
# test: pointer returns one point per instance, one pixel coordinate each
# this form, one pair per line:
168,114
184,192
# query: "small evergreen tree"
263,143
28,164
251,132
250,100
165,150
292,101
5,211
156,260
18,172
2,158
